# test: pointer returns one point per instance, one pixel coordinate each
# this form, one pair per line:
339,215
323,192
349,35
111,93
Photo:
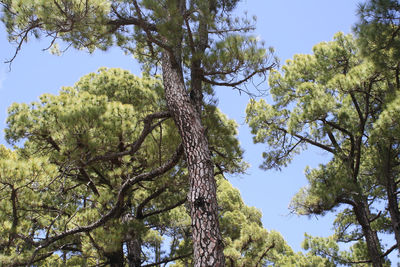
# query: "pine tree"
378,37
91,178
330,100
196,43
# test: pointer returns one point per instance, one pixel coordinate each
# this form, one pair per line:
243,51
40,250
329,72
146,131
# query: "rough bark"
361,208
362,213
391,189
207,240
393,207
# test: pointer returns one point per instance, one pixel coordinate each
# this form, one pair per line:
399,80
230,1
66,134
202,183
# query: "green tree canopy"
196,43
331,100
94,174
378,34
110,151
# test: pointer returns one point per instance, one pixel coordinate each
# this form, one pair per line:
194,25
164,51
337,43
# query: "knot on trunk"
199,202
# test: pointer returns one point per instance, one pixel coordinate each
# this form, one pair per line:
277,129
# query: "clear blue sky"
290,26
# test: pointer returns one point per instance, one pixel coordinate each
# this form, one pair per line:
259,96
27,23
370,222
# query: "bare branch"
234,84
309,141
177,204
24,34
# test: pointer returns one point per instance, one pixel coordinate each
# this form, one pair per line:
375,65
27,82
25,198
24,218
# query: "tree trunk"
393,207
207,240
134,248
391,189
115,258
133,244
362,213
157,254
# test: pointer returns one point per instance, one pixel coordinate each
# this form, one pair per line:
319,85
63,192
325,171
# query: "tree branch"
177,204
234,84
147,128
117,209
168,260
24,34
265,253
309,141
139,209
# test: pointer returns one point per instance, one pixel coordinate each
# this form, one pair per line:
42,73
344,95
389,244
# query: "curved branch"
139,209
34,24
117,209
265,253
309,141
177,204
234,84
341,129
147,128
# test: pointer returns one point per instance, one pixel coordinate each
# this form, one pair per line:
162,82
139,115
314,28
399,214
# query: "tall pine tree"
197,44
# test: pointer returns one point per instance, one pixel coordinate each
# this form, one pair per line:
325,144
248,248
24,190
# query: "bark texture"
391,191
393,207
207,240
363,215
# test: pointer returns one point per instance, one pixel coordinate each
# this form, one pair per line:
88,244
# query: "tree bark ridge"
207,239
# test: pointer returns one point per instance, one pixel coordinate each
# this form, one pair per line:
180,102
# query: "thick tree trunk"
134,249
362,213
391,192
393,207
115,258
207,240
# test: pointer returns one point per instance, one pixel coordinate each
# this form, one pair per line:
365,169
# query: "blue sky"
290,26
